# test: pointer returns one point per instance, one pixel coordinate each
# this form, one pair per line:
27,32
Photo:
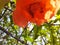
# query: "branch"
8,33
8,9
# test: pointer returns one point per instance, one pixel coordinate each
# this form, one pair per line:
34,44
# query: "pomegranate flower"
35,11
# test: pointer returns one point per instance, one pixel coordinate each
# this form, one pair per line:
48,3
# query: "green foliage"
58,12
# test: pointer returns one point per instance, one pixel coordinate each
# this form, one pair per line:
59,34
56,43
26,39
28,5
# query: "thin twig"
8,9
3,13
8,33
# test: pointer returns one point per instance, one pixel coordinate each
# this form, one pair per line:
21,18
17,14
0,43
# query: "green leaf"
43,32
15,27
58,13
58,17
29,38
14,1
36,31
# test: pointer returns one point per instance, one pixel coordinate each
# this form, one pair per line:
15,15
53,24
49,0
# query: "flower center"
32,8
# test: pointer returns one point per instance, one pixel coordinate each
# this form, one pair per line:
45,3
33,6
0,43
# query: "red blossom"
36,11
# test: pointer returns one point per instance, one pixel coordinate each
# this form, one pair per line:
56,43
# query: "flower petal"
19,19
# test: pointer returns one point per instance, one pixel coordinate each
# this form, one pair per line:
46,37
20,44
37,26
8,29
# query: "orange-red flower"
36,11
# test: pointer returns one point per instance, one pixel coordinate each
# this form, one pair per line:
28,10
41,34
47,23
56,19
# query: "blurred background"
10,34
